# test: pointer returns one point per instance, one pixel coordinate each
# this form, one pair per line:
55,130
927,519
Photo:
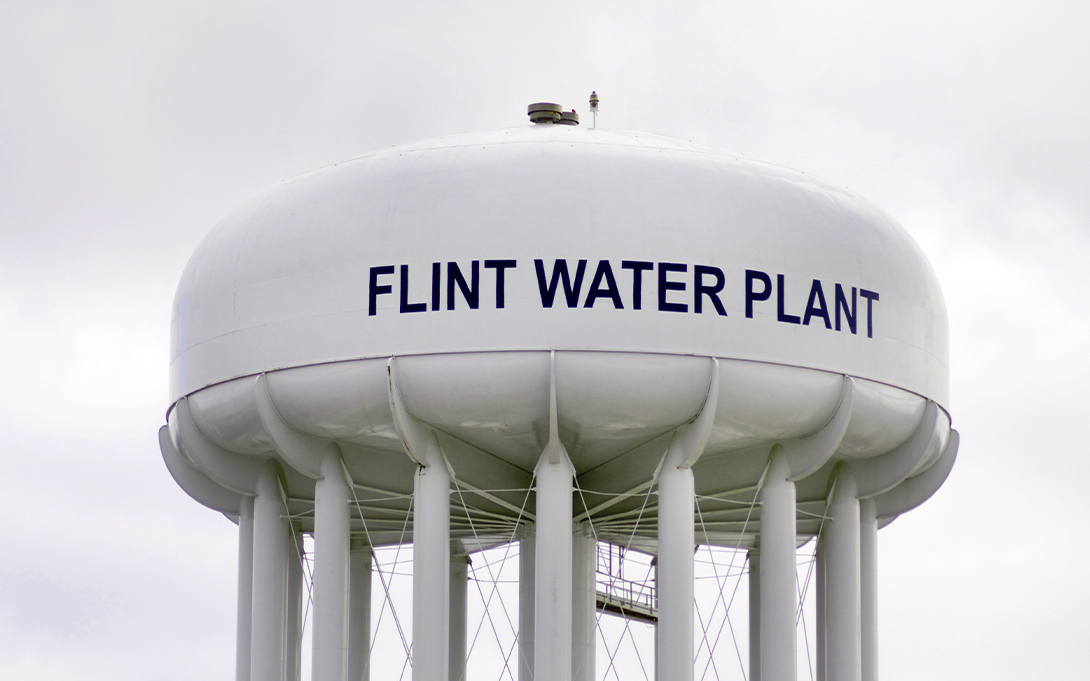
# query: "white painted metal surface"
431,568
868,589
332,545
584,600
243,628
359,612
677,543
553,308
527,601
753,557
299,290
459,578
778,595
553,569
842,650
269,655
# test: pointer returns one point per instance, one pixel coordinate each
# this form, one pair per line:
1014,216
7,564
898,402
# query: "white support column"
754,556
527,562
553,569
655,568
431,560
459,582
293,635
779,596
584,602
820,574
677,543
868,593
359,611
272,542
842,586
332,538
245,588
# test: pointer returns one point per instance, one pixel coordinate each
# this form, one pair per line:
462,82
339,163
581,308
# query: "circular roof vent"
544,112
569,118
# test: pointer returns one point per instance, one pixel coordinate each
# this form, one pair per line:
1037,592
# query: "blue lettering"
374,289
499,266
782,316
560,270
471,291
871,297
436,285
700,289
638,267
604,273
406,306
841,303
816,307
752,294
666,285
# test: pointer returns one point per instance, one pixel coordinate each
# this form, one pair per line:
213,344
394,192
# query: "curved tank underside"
615,415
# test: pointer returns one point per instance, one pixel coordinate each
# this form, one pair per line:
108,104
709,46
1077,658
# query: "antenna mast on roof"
594,109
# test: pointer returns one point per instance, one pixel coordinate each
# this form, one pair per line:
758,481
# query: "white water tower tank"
555,321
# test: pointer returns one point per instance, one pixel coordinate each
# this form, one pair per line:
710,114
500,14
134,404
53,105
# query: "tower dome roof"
556,237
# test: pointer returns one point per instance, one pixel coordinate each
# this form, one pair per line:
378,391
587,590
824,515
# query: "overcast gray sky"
127,129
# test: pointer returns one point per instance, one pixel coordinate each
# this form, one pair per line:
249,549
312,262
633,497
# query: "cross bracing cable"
387,598
719,599
594,526
458,486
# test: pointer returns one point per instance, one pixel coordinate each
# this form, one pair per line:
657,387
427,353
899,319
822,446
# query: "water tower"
587,337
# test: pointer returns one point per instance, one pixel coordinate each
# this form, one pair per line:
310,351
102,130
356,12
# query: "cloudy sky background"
127,129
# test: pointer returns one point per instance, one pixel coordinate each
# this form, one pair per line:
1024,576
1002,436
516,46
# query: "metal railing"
620,591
